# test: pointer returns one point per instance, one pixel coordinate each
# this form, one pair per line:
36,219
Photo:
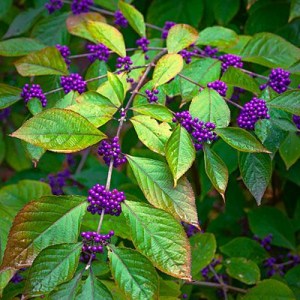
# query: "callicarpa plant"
149,149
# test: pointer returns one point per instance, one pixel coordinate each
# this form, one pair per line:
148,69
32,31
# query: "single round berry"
151,95
65,53
73,82
254,110
112,150
296,120
219,86
124,63
81,6
120,20
168,25
99,51
230,60
279,80
53,5
100,199
33,91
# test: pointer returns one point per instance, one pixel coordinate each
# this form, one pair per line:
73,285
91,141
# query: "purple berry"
187,55
65,53
218,86
99,51
230,60
81,6
93,242
53,5
17,278
252,111
120,20
4,113
190,229
279,80
33,91
296,120
124,63
58,181
168,25
143,43
236,93
210,52
151,95
73,82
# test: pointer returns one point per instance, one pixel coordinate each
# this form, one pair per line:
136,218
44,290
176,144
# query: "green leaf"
8,95
243,270
59,130
180,152
217,36
78,24
151,229
5,277
246,248
47,61
216,170
288,101
268,289
107,35
256,171
269,220
240,139
292,278
271,51
97,68
238,78
203,247
151,133
209,106
5,7
35,106
181,36
157,111
225,10
94,289
167,68
19,46
290,149
168,290
295,10
117,85
133,273
49,221
134,18
2,147
53,265
156,182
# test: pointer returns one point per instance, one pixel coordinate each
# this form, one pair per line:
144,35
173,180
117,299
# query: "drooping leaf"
256,171
53,265
225,10
158,112
59,130
209,106
133,273
288,101
216,170
151,133
240,139
290,149
134,18
295,10
151,229
156,182
292,278
19,46
8,95
117,85
107,35
180,152
181,36
47,61
167,68
96,69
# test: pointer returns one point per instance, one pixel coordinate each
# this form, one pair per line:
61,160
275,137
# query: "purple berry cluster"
4,113
65,53
210,52
93,241
124,63
73,82
85,257
151,95
101,199
252,111
58,181
237,91
279,80
112,150
296,120
17,278
230,60
187,55
265,242
219,86
143,43
99,51
33,91
168,25
206,271
190,229
281,264
200,131
81,6
120,20
54,5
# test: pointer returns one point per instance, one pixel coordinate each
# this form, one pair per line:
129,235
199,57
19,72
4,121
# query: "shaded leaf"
158,112
290,149
117,85
288,101
8,95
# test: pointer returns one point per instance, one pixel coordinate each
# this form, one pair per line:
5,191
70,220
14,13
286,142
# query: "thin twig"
82,161
220,280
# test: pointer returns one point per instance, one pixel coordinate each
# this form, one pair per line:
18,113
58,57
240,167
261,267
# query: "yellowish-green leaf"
8,95
157,111
117,85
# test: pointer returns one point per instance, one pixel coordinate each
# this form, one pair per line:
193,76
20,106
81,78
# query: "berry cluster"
168,25
143,43
112,150
190,229
93,241
151,95
58,181
99,51
210,52
4,113
81,6
230,60
73,82
17,278
200,131
219,86
33,91
206,271
65,53
187,55
120,19
237,91
101,199
252,111
124,63
54,5
296,120
279,80
281,264
85,257
265,242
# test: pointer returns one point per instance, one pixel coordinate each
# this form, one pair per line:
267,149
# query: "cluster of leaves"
159,250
